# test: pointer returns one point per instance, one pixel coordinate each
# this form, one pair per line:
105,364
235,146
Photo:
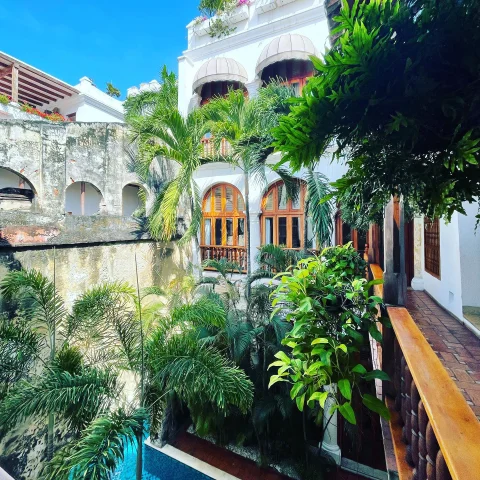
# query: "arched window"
291,72
223,217
131,200
283,218
82,198
16,193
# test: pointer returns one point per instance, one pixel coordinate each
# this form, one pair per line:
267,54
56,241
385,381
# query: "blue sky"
125,42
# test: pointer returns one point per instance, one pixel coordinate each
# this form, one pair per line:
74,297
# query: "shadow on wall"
8,263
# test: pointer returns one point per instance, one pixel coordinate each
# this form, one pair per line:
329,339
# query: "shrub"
327,299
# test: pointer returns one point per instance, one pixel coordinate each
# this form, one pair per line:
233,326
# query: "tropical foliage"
397,97
246,124
328,301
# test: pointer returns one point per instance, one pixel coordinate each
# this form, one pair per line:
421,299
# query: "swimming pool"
156,466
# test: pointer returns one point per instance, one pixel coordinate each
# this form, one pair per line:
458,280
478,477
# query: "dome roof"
286,47
220,69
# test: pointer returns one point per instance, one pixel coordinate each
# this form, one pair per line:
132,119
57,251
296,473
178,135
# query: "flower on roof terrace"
244,2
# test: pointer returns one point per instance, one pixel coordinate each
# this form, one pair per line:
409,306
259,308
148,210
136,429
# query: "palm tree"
111,319
97,453
246,125
160,130
44,310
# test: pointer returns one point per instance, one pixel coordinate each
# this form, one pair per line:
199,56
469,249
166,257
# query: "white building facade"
270,39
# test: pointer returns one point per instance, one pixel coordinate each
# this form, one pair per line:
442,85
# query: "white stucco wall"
304,17
90,105
447,290
469,256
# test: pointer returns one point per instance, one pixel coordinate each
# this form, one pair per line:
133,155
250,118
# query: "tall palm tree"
112,319
44,310
162,131
246,124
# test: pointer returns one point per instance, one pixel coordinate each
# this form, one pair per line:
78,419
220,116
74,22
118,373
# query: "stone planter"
266,5
239,14
202,28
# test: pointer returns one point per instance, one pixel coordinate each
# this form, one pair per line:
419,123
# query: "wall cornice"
260,32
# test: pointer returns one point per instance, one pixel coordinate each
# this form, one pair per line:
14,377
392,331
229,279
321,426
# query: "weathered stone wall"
81,267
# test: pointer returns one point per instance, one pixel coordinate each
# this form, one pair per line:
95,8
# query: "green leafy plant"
112,91
327,299
4,99
398,103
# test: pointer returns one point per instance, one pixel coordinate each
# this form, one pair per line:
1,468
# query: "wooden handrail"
441,430
456,427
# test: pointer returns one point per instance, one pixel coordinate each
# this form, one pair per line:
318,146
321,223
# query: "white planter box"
284,2
240,13
202,28
266,5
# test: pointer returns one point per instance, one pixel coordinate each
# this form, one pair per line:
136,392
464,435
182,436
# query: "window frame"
235,214
289,212
432,247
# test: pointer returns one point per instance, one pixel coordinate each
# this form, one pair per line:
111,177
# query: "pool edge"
192,462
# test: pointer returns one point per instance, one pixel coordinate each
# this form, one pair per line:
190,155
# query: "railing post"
417,280
394,277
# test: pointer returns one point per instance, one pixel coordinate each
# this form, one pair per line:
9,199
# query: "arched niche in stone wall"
133,199
16,192
83,198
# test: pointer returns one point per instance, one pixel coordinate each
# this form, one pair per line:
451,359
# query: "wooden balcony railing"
232,254
435,434
209,147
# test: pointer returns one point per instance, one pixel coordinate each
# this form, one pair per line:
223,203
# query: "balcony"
237,255
209,149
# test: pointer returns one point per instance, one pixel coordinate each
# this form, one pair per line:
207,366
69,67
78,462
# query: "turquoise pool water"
156,466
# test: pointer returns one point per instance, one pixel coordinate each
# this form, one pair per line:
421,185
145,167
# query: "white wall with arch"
131,201
83,198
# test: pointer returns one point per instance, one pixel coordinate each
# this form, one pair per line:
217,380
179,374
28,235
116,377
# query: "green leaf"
347,413
320,396
283,357
312,369
275,379
376,405
359,369
345,388
319,340
300,402
278,363
380,374
295,389
373,331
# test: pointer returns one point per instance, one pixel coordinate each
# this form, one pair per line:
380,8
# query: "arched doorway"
223,233
83,199
133,199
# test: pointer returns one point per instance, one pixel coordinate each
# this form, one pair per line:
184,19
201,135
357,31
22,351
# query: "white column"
255,240
194,102
253,88
330,427
417,280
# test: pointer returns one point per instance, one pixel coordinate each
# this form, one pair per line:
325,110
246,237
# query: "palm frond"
321,211
60,393
201,375
97,454
37,295
19,348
